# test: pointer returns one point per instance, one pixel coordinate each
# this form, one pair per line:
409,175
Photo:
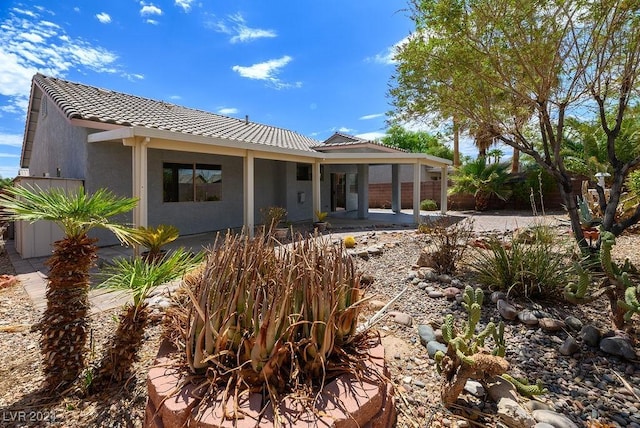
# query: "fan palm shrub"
64,323
138,277
482,180
273,318
154,238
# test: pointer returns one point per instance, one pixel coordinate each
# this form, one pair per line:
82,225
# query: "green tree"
64,323
510,66
482,180
416,142
5,182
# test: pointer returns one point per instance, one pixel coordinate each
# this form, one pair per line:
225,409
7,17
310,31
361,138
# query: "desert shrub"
428,205
449,242
532,269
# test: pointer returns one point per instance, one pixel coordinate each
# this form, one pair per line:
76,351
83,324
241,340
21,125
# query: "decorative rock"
426,333
435,294
375,250
430,275
402,318
376,305
543,425
618,346
366,279
507,310
451,292
513,415
551,325
433,347
500,388
445,278
552,418
474,388
573,323
532,405
590,335
422,285
569,346
542,314
498,295
528,318
426,258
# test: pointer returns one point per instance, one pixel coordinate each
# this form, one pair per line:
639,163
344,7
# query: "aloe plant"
272,317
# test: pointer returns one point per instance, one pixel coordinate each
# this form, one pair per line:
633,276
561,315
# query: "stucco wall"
298,210
196,217
57,144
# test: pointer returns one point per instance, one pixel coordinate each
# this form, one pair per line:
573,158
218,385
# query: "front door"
338,191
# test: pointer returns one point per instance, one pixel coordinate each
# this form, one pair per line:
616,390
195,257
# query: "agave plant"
137,277
64,323
272,317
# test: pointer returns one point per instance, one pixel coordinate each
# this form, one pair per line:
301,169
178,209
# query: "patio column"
444,184
396,195
363,191
315,188
249,183
416,192
139,169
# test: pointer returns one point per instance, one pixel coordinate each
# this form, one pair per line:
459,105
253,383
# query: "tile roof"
339,139
79,101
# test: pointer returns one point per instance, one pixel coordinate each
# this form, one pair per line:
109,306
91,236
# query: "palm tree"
64,322
482,180
138,277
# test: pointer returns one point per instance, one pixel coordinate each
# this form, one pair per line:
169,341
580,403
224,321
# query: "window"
303,171
186,182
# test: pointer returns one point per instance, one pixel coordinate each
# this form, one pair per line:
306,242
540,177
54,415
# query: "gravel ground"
588,386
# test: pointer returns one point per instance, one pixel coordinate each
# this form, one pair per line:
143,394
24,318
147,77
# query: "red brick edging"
345,402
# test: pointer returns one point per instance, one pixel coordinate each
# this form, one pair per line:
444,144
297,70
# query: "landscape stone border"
348,401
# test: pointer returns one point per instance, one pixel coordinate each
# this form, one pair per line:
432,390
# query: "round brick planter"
345,402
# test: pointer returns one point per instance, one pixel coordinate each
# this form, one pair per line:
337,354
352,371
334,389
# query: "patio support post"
139,166
249,194
315,191
363,191
396,197
416,192
444,184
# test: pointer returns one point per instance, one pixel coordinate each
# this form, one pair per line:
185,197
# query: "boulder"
528,318
552,418
619,346
551,325
426,258
426,333
570,346
590,335
507,310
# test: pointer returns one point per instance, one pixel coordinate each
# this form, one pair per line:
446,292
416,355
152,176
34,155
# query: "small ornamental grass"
537,267
276,319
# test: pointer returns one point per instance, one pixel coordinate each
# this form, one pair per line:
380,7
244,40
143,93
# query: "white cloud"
76,9
29,45
236,26
11,140
151,21
227,110
267,71
371,136
184,4
345,130
24,12
103,17
149,9
386,57
371,116
175,97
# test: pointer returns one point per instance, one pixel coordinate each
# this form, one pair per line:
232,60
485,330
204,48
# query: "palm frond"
74,211
140,277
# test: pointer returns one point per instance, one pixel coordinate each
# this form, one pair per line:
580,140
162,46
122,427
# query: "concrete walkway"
32,272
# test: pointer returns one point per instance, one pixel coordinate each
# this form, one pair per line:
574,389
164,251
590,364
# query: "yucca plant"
137,277
272,317
154,238
64,323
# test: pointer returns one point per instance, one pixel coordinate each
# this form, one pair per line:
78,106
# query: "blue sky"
315,67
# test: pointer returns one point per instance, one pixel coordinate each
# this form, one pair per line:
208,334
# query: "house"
197,170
